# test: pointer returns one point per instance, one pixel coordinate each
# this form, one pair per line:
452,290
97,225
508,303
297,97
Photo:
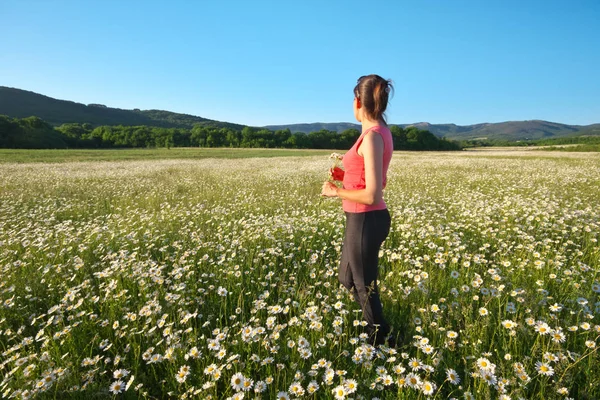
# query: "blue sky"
277,62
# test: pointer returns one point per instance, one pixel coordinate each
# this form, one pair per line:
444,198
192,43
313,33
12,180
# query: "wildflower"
117,387
544,368
484,364
413,380
414,363
350,386
558,336
542,328
129,382
451,335
428,387
237,381
210,369
339,392
296,389
183,373
386,379
399,369
312,387
194,352
563,390
452,377
556,307
508,324
585,326
427,349
489,377
260,387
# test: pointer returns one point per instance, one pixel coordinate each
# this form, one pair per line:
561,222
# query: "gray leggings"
365,232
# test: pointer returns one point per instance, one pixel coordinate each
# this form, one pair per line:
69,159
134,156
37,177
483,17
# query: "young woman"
367,218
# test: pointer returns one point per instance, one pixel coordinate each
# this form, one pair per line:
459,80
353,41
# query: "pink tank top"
354,167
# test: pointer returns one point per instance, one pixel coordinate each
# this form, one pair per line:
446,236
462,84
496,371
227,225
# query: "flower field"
217,278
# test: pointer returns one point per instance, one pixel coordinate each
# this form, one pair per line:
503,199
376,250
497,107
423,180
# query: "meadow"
201,276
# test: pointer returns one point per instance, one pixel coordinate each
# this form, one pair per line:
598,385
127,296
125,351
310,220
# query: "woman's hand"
329,190
336,173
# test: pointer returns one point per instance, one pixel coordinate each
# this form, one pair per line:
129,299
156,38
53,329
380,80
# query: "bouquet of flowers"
336,173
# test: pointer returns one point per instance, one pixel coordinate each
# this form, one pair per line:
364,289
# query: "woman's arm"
372,149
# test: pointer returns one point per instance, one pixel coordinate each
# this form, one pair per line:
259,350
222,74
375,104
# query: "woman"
367,218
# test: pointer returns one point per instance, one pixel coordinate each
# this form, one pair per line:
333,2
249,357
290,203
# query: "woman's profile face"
356,108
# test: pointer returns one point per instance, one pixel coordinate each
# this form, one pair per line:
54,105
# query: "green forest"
35,133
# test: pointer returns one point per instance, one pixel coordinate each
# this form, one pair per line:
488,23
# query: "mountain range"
19,103
510,130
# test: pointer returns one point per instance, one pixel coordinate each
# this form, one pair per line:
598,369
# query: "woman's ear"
358,105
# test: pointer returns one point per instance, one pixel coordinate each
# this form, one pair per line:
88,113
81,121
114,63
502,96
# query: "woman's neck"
368,124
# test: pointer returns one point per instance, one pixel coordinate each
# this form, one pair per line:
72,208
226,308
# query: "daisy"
428,387
260,387
556,307
563,390
414,364
247,384
452,377
413,380
484,364
387,380
296,389
542,328
508,324
585,326
183,373
489,377
401,381
399,369
237,381
339,392
312,387
350,385
427,349
544,368
558,336
117,387
210,369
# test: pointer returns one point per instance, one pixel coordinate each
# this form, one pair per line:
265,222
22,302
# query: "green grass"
59,156
105,261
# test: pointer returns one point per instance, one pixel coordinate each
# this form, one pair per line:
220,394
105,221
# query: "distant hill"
590,130
19,103
511,131
315,126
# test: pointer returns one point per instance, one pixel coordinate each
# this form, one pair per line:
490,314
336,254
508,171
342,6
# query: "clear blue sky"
277,62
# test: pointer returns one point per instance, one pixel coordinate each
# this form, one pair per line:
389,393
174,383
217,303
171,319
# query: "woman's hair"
373,92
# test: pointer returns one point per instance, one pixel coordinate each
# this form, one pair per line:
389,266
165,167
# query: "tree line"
33,133
577,139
